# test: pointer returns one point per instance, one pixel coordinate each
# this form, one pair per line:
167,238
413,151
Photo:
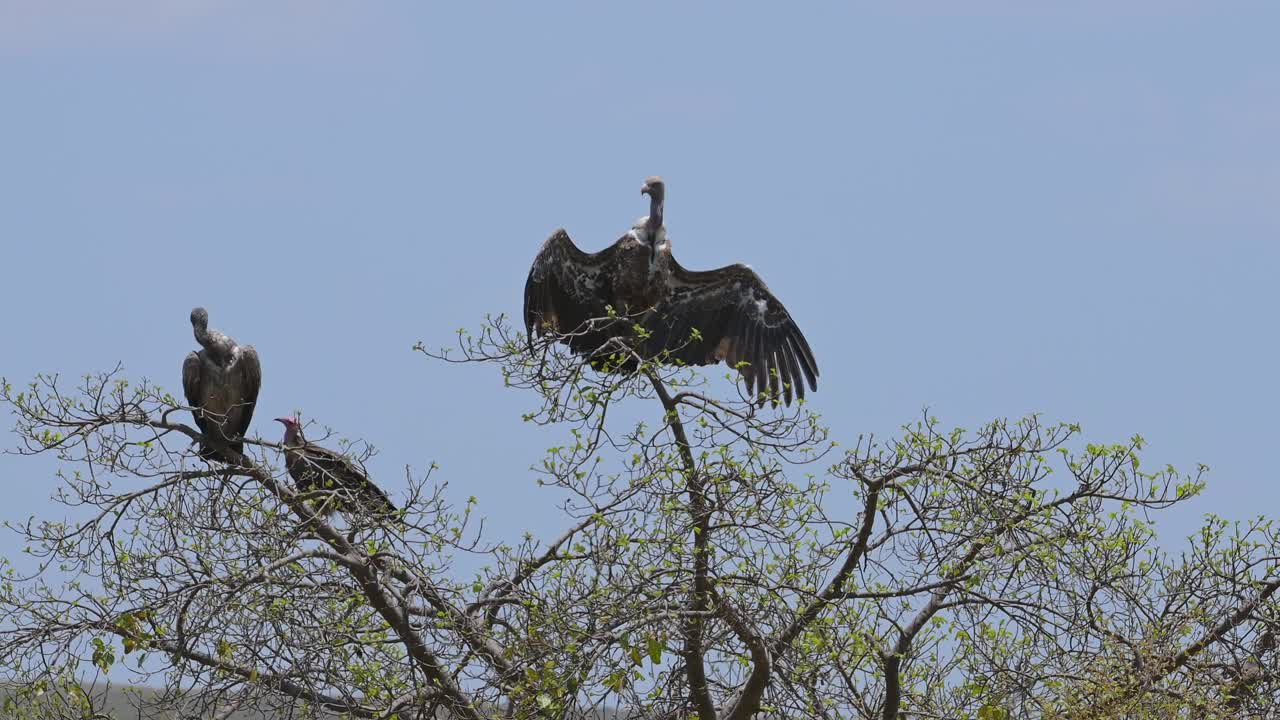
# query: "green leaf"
656,647
991,712
103,654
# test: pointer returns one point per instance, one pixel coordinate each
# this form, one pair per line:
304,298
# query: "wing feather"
193,389
801,348
792,374
191,385
738,319
775,377
748,364
250,381
319,468
781,369
567,289
773,352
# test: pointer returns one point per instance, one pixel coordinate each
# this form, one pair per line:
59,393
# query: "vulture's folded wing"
191,387
332,471
568,293
250,372
376,499
729,314
325,469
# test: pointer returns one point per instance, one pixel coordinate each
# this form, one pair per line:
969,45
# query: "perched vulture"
221,383
315,468
690,317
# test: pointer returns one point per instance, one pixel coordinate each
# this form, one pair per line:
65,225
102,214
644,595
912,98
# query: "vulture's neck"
292,436
202,335
218,345
654,222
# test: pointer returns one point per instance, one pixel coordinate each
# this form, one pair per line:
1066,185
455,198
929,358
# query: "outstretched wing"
191,387
566,290
249,382
729,314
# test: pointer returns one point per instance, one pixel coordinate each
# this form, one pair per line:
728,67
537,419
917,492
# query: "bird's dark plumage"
571,292
221,383
314,468
690,317
737,319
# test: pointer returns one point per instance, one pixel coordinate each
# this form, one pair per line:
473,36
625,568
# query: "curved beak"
644,189
284,421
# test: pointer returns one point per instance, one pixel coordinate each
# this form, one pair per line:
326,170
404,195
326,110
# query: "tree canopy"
721,559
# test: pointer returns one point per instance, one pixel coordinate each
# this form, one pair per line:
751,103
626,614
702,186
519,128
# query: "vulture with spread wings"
593,301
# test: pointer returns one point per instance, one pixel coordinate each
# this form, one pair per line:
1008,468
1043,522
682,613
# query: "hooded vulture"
593,301
314,468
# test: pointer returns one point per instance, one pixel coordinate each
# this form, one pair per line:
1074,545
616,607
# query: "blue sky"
1011,208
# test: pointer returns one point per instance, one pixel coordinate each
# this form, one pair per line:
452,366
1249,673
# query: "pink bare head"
292,427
